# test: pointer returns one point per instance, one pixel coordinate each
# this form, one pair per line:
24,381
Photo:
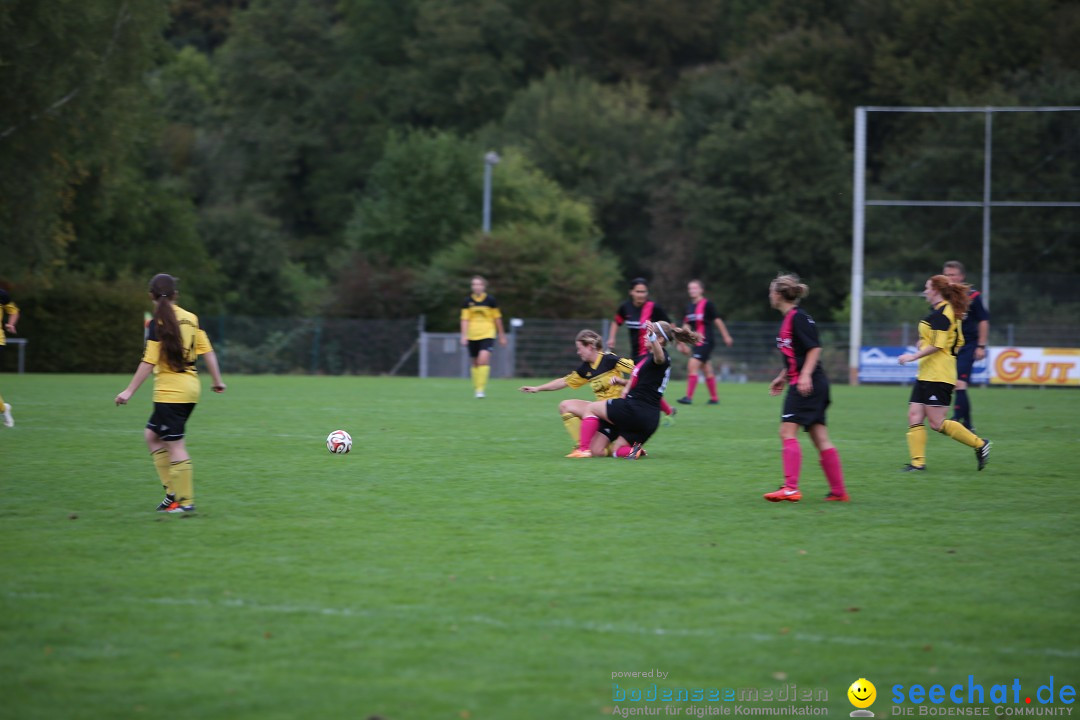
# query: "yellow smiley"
862,693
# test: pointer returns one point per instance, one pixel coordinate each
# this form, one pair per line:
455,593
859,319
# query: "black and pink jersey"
649,380
701,318
798,336
635,318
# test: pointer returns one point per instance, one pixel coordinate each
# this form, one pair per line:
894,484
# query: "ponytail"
682,334
958,295
163,290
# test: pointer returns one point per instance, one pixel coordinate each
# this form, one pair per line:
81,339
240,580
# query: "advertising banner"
1035,366
878,364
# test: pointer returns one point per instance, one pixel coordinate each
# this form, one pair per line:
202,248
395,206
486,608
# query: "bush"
78,325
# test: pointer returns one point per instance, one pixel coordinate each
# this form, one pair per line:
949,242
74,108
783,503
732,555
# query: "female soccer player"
9,311
603,371
701,316
175,341
939,340
807,396
636,414
480,319
635,313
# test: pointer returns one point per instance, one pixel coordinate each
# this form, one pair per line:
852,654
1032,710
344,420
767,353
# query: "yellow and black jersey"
481,311
598,375
7,309
942,330
171,386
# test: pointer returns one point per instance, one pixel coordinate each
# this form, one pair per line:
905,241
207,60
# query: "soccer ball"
339,442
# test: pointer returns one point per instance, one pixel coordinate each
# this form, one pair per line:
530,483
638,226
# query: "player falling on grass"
173,344
637,414
9,313
602,371
807,396
481,320
975,327
702,317
635,313
940,339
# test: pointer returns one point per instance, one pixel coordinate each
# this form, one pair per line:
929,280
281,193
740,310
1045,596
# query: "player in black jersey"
636,414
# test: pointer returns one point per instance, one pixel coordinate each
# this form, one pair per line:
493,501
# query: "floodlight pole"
491,159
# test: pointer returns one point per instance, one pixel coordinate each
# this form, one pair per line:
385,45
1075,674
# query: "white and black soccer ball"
339,442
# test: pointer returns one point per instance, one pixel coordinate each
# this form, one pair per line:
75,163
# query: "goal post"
860,203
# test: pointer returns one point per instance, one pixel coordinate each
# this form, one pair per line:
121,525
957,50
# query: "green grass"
455,565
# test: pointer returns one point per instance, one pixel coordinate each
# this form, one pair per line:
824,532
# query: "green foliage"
427,202
70,92
421,196
768,191
533,270
82,325
602,143
261,278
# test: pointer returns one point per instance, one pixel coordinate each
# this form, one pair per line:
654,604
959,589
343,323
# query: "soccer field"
455,565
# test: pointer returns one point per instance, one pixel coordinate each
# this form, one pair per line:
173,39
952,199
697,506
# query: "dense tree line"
325,156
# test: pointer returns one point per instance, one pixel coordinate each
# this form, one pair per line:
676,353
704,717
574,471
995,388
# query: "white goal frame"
860,203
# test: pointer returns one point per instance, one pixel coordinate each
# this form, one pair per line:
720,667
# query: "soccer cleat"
713,402
913,468
167,503
982,454
8,420
579,454
784,493
636,452
684,400
178,509
833,497
479,393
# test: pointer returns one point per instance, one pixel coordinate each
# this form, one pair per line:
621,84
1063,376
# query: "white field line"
614,628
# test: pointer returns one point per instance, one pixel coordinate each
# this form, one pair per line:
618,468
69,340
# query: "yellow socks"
916,442
161,464
572,423
480,375
960,433
181,477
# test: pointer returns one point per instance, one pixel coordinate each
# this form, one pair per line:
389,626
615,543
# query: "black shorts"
169,420
634,421
809,409
933,394
608,430
702,352
475,346
965,362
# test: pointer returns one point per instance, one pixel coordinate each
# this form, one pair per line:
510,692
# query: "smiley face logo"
862,693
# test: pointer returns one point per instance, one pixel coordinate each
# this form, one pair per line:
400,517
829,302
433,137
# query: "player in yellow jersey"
173,344
940,339
9,311
604,372
481,320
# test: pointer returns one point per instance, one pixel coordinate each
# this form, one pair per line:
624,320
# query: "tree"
769,191
601,143
70,96
534,270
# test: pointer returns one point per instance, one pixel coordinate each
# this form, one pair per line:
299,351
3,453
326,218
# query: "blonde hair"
590,338
789,287
682,334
